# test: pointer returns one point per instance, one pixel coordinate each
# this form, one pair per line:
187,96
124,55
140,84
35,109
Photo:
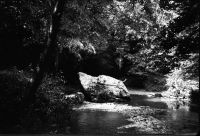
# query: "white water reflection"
181,116
171,103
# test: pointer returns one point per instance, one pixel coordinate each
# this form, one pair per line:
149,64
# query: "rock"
147,125
109,107
76,98
103,88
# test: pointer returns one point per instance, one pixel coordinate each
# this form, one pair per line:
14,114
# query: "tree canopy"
153,33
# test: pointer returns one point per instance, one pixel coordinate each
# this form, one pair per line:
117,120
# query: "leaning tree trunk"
46,58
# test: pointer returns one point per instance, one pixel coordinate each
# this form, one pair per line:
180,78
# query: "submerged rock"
109,107
103,88
146,125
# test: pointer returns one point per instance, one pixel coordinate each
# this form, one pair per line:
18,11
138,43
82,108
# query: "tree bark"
47,60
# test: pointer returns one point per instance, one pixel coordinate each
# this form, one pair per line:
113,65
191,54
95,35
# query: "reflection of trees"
92,121
175,104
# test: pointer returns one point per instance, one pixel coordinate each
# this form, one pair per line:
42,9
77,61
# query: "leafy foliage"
153,35
49,108
26,23
181,82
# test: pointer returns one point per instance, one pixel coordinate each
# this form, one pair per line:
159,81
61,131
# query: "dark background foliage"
141,40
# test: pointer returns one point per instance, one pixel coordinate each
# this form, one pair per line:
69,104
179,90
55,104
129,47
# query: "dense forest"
150,44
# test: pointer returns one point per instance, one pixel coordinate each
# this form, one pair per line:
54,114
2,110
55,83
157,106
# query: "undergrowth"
184,80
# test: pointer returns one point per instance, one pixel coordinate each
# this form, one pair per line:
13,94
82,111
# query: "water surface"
181,118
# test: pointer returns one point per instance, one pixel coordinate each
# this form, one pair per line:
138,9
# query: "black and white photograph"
99,67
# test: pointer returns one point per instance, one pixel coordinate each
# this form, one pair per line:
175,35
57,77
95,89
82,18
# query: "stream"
95,119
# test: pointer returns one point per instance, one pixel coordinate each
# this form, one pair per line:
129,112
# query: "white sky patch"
146,21
139,9
171,2
165,16
120,5
111,17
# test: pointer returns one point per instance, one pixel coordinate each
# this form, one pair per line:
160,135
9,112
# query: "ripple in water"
181,119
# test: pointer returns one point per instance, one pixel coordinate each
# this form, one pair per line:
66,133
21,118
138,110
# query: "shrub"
49,113
183,80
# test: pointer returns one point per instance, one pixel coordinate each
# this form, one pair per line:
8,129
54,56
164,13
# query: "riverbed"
144,114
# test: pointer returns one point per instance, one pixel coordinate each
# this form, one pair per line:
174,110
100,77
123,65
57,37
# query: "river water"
181,118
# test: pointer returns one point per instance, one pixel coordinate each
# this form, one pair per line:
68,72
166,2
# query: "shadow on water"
181,117
96,122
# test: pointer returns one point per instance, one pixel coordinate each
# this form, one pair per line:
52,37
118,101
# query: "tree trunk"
47,60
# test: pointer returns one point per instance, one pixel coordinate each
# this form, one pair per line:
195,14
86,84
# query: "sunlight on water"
107,118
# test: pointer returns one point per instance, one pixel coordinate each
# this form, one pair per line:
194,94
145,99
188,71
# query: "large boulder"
103,88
